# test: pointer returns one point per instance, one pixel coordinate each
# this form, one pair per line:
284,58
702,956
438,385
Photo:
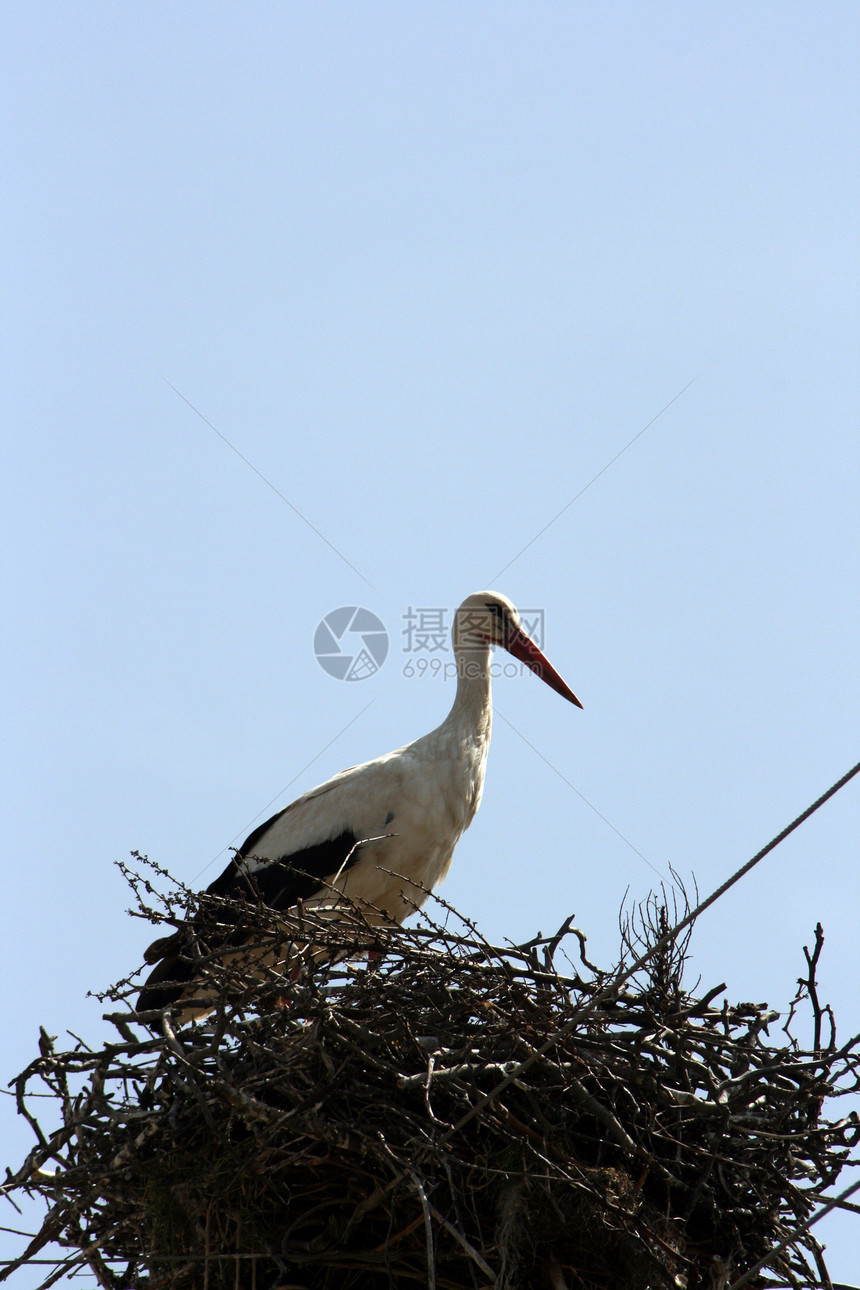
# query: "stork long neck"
472,712
459,747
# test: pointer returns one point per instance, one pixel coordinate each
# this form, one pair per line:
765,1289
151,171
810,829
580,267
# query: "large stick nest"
454,1115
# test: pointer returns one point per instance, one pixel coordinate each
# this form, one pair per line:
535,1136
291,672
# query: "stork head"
489,618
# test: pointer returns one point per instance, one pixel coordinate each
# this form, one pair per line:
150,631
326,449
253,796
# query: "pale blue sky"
429,267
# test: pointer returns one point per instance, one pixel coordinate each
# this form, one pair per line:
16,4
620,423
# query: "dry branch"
457,1115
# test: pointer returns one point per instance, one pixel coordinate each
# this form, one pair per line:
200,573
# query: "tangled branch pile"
454,1115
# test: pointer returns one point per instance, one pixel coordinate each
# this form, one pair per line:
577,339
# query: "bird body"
399,811
381,835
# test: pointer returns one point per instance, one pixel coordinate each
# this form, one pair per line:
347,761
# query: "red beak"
525,651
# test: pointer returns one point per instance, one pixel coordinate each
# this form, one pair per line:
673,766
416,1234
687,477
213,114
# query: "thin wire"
244,833
269,483
582,796
594,480
611,989
602,995
790,1240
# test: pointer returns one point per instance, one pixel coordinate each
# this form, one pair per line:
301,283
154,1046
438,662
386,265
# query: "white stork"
382,833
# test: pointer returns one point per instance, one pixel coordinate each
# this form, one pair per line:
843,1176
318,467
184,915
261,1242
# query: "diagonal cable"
269,483
612,987
591,481
582,796
244,833
833,1203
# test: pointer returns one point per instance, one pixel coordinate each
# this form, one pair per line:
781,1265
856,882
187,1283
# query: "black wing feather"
297,876
278,883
